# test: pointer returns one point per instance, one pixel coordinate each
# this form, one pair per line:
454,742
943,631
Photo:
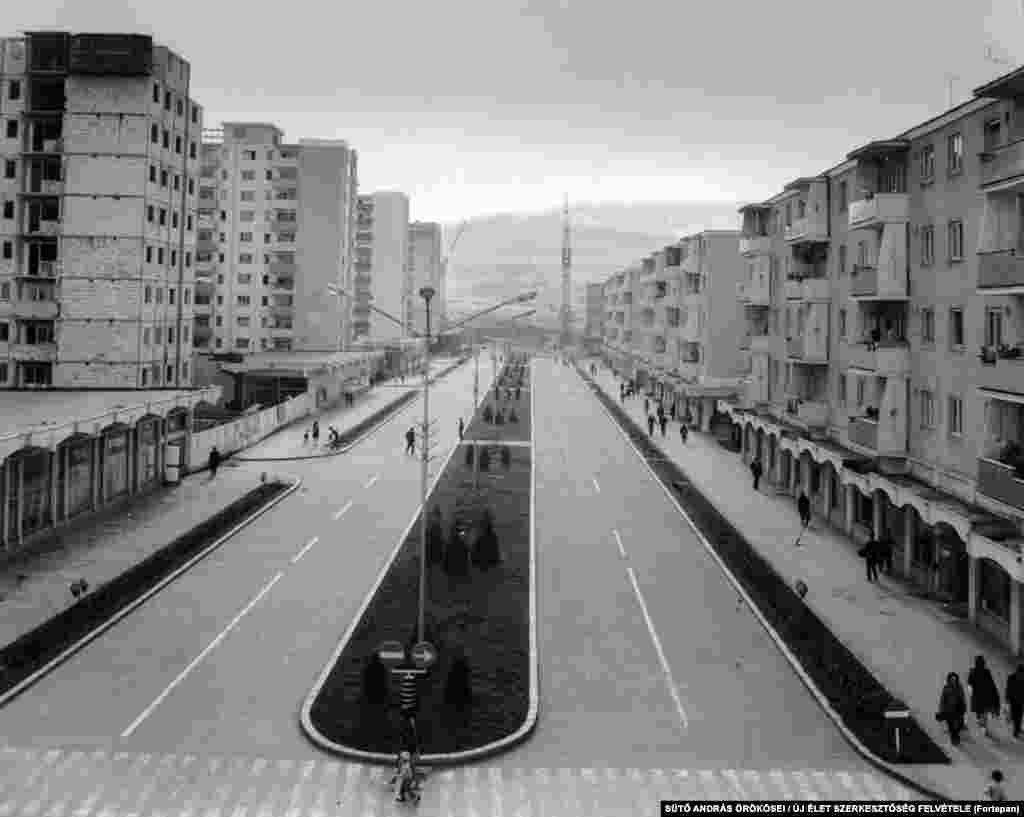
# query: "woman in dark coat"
984,693
953,707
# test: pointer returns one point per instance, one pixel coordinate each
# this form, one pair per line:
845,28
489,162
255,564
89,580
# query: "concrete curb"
798,668
92,635
373,430
452,758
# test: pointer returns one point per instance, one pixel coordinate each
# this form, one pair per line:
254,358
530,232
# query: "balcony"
808,289
756,292
1002,163
810,413
1001,271
43,228
755,245
201,334
283,283
34,352
879,210
885,359
808,230
863,432
30,309
285,269
1003,374
1000,482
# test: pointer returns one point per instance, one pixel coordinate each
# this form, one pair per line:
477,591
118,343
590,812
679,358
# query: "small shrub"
456,554
486,553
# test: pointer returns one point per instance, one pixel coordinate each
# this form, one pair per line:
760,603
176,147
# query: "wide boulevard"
654,678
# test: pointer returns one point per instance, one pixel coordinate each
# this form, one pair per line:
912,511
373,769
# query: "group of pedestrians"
661,418
333,435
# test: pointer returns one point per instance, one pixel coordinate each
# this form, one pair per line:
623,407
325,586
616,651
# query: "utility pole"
566,272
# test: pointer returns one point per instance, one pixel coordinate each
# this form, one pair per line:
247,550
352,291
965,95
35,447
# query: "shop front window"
147,453
35,485
79,477
993,589
115,465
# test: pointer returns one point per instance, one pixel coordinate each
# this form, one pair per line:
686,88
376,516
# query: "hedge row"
857,696
34,649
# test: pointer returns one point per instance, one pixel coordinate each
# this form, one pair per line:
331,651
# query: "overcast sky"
485,106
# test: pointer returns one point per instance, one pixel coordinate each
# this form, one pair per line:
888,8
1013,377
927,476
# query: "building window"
174,219
270,176
192,150
154,134
191,187
955,240
145,377
927,409
249,155
156,92
14,89
247,215
247,195
149,255
223,215
189,224
174,263
245,238
994,327
842,323
177,182
956,416
10,169
243,320
927,245
166,139
842,390
177,144
5,332
150,213
180,107
160,256
956,328
159,295
244,278
145,336
860,391
248,175
245,258
12,128
195,114
927,163
927,325
241,343
163,178
842,259
955,152
170,334
170,372
842,197
148,296
167,100
8,209
163,216
152,173
266,238
242,300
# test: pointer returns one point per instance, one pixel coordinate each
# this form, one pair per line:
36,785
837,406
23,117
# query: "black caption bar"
829,807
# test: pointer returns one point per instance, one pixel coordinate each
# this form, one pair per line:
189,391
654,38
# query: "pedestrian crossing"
83,783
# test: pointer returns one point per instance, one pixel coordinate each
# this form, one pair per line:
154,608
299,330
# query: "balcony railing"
864,280
1000,482
881,208
1002,163
807,229
812,413
48,228
1002,269
35,352
1004,372
755,245
887,358
864,432
30,309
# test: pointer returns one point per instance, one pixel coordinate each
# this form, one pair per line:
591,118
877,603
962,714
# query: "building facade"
98,153
381,255
884,306
594,314
672,321
424,267
276,227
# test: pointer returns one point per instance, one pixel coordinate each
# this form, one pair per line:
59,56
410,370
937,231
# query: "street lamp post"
426,293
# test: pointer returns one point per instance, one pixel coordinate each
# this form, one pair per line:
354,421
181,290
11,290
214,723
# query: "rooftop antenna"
950,79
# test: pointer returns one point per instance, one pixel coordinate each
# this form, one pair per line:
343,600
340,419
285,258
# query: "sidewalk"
289,444
909,643
34,586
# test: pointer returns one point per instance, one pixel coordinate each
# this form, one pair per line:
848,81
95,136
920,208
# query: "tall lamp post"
426,293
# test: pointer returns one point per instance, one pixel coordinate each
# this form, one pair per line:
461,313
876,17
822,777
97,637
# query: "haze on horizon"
481,108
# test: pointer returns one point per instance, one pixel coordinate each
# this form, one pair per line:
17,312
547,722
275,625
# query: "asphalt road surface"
654,681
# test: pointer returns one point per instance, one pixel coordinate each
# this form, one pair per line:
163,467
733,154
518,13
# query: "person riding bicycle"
405,774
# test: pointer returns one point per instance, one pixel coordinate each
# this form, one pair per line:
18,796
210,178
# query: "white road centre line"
373,479
195,661
618,541
342,510
306,547
661,653
597,487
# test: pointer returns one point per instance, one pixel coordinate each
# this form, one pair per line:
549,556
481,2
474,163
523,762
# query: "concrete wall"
390,248
325,213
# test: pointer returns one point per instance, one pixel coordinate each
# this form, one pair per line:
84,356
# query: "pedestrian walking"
462,427
214,461
410,441
952,707
755,468
683,433
1015,698
869,553
994,791
663,421
803,506
650,424
316,432
984,694
885,555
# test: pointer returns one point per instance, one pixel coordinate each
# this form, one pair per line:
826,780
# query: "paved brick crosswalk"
83,783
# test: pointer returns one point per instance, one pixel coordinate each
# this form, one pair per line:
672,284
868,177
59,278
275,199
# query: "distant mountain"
499,256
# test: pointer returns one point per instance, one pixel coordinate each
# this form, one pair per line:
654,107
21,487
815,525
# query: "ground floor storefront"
61,470
949,550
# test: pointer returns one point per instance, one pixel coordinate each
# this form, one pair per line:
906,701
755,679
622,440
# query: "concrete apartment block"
424,267
276,225
901,416
381,254
101,173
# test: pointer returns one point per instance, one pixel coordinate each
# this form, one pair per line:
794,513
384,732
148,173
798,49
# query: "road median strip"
480,609
30,657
